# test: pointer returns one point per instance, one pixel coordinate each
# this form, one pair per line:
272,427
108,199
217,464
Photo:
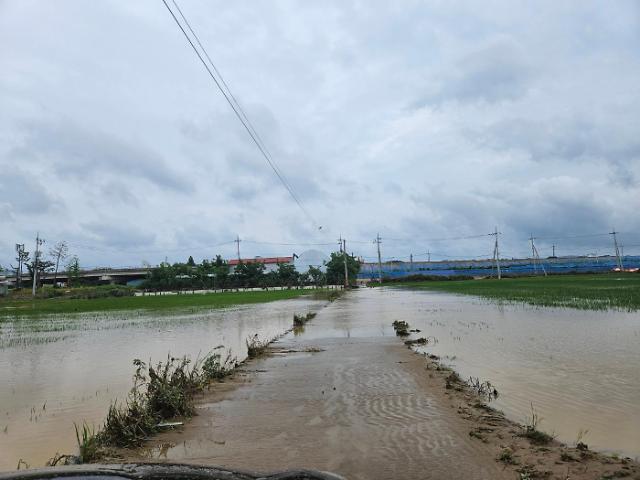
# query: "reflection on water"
59,370
579,369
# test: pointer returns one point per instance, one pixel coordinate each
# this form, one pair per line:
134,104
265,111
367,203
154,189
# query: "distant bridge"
120,276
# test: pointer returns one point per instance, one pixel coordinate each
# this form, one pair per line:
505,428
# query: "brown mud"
365,408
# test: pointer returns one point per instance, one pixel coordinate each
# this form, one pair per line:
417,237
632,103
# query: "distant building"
270,263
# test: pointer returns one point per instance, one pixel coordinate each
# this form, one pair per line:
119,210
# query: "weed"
213,368
256,347
567,457
300,320
483,389
506,457
417,341
401,327
530,430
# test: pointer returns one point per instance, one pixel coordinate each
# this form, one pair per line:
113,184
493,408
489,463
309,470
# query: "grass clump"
300,320
401,327
256,347
506,457
88,444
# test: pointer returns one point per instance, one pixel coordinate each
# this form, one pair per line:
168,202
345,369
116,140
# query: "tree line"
218,274
42,263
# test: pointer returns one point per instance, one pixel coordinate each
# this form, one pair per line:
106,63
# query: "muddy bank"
340,400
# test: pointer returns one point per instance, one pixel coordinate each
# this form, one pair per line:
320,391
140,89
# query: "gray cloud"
420,120
79,152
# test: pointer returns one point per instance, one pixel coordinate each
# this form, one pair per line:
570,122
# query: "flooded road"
579,369
59,370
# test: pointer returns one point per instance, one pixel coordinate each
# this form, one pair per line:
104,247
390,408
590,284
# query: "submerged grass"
587,292
11,307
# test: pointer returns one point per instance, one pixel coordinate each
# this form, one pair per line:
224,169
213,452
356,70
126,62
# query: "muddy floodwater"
59,370
580,370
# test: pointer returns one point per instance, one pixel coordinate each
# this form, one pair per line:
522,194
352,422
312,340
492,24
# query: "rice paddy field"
620,291
45,306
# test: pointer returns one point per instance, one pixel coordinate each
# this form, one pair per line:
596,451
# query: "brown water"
59,370
581,370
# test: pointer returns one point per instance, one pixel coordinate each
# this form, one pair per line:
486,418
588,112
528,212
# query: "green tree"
317,277
73,272
335,268
287,275
249,274
191,262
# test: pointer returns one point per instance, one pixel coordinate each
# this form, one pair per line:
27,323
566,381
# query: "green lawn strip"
12,308
587,292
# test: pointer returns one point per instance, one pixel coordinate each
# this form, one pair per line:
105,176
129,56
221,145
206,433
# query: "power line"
235,107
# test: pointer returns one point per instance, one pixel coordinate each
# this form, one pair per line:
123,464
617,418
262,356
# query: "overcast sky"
420,120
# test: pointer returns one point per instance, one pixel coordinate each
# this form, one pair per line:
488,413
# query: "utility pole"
533,255
343,248
237,242
378,242
411,262
39,242
496,252
428,256
554,251
20,252
617,250
536,257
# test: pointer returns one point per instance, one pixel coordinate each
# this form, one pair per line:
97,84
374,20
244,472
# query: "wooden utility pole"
378,242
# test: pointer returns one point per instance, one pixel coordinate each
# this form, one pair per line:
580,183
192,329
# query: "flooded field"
579,369
59,370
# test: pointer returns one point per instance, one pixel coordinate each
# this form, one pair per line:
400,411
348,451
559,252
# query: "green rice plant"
587,291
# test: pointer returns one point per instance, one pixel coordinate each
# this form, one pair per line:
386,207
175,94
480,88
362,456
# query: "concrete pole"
35,265
496,253
346,271
378,241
